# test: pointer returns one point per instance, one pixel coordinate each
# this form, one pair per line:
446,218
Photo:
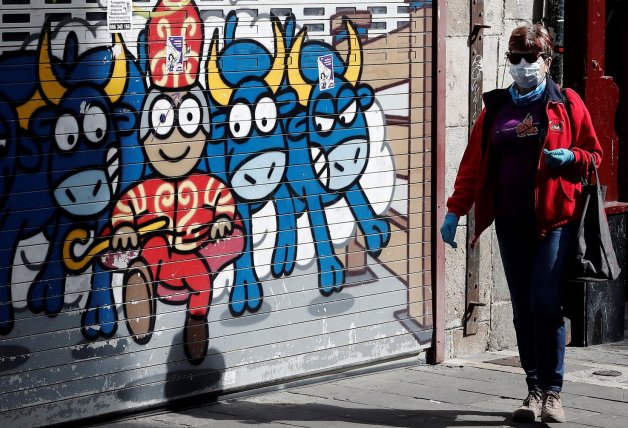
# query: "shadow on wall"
180,380
13,356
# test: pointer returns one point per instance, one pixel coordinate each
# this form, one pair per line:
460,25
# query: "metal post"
476,52
437,353
555,23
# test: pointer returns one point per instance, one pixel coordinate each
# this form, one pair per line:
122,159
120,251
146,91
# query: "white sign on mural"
119,15
325,72
175,54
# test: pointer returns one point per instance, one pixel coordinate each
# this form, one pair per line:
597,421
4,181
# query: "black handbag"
595,257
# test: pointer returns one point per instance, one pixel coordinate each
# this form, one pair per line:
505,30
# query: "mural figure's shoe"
99,321
196,339
331,276
246,294
377,234
47,295
139,301
285,254
100,317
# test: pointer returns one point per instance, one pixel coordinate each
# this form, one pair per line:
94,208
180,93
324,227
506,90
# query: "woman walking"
522,169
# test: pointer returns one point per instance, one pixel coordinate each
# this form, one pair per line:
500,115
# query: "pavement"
476,391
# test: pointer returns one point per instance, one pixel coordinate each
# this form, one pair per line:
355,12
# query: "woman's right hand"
448,229
559,157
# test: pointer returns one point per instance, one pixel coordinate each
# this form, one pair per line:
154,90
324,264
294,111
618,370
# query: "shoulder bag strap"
592,169
563,92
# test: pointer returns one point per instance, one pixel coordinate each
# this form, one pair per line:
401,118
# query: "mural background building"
227,222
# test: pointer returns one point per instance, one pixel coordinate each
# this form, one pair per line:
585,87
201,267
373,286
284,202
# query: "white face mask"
527,75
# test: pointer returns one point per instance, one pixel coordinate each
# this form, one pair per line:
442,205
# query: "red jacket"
557,191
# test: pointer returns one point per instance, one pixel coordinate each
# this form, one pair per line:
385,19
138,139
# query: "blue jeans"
536,274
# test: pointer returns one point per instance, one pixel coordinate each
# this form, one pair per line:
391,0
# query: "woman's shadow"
182,380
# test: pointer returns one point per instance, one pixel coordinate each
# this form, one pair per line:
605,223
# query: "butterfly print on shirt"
527,128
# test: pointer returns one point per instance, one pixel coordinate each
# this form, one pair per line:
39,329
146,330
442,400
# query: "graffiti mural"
255,149
74,128
330,146
229,197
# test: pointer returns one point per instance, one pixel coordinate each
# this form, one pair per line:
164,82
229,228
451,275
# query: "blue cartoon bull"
254,157
26,206
100,316
75,125
329,147
18,156
8,148
18,153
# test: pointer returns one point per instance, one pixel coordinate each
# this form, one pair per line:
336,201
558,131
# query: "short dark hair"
531,38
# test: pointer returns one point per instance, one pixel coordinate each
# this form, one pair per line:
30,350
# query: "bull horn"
116,85
276,73
295,77
218,88
51,88
354,66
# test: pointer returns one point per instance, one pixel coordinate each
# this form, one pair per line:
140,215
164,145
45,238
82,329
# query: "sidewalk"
477,391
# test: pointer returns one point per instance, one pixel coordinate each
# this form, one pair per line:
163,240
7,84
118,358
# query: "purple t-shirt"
516,142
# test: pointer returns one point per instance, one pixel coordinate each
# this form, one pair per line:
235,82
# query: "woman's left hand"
559,157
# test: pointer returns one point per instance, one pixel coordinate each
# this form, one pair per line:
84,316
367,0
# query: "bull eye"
266,115
240,120
189,116
95,124
347,116
162,116
66,132
323,124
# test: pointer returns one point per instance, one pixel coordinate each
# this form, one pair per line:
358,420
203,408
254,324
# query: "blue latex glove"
448,229
558,157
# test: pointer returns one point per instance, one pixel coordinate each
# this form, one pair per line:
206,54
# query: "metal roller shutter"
226,195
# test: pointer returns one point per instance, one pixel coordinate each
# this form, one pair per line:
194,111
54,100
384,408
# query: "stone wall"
495,329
